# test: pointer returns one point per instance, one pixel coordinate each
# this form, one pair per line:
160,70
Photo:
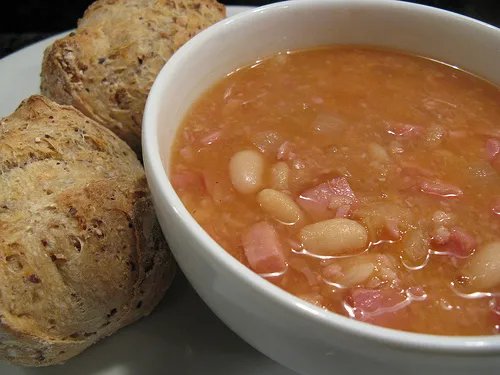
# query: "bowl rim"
157,175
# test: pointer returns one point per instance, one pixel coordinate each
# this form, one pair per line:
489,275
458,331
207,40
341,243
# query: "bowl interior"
243,39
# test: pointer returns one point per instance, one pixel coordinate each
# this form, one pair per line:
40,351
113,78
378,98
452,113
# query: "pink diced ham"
316,201
217,188
211,138
392,227
458,243
492,148
186,179
343,211
440,188
263,249
371,301
383,307
339,200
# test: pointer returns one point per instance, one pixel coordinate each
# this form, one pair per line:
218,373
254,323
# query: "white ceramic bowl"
295,333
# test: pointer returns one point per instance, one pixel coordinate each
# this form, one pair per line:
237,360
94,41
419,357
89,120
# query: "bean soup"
364,181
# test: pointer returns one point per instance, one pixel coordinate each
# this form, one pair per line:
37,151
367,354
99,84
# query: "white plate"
182,336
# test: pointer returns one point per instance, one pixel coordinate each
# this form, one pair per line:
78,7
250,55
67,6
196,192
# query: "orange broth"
405,147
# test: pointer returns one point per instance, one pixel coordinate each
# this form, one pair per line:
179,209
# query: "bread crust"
81,250
107,66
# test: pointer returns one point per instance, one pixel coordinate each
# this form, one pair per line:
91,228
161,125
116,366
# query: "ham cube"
380,306
343,211
316,201
263,249
375,301
458,243
186,179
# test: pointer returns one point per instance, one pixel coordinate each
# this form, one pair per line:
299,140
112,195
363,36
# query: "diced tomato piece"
186,179
263,249
458,243
440,188
316,201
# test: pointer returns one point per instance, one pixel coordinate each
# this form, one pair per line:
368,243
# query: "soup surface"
363,181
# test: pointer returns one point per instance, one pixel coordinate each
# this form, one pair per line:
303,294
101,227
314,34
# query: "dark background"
33,20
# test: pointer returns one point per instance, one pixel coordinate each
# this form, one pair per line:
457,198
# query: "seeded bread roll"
81,251
107,66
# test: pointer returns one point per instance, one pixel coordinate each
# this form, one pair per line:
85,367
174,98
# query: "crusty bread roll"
107,66
81,251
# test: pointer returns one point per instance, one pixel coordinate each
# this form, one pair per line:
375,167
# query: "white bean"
280,173
357,274
279,205
416,247
246,170
334,236
483,269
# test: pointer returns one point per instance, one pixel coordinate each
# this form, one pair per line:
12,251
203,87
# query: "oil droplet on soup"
364,181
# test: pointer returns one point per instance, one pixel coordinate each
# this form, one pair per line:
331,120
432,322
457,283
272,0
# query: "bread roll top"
81,252
108,65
